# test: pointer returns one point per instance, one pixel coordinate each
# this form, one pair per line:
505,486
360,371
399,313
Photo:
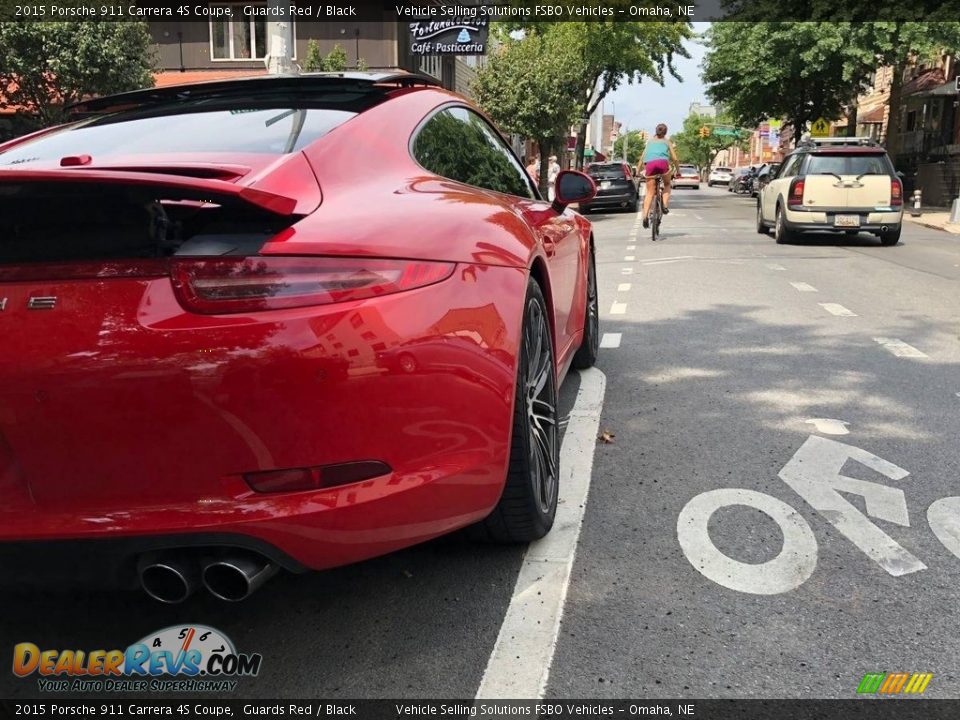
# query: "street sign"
724,132
820,128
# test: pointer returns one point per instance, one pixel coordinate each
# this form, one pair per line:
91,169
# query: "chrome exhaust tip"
236,578
883,228
169,580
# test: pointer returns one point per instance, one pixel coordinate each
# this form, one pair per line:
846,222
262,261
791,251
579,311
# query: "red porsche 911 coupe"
281,322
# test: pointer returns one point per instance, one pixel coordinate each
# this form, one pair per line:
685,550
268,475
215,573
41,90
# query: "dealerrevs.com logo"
192,658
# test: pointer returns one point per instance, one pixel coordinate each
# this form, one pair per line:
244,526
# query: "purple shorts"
656,167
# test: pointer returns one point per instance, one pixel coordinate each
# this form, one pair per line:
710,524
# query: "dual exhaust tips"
172,578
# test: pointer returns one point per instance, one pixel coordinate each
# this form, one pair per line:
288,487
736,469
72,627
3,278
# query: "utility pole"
279,40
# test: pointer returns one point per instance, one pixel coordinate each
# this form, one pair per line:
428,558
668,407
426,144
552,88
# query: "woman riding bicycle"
656,160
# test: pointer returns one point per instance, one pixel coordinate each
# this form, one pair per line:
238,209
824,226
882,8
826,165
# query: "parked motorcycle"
742,184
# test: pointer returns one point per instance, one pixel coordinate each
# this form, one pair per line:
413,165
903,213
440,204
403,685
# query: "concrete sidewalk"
936,218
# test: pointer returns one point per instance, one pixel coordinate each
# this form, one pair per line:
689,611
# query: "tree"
45,66
612,52
635,145
791,70
694,148
529,87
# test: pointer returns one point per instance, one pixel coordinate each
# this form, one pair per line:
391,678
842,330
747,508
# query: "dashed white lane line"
519,665
631,247
900,348
623,287
697,217
776,267
626,271
611,340
804,287
837,309
629,258
618,308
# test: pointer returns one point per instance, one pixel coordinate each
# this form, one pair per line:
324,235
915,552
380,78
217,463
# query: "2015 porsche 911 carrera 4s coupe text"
281,322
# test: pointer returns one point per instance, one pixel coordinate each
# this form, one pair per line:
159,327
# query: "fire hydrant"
915,210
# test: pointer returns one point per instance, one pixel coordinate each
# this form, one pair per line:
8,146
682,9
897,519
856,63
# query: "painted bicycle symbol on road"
815,473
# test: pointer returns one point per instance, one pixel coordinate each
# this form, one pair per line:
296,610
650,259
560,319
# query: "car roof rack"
817,142
303,83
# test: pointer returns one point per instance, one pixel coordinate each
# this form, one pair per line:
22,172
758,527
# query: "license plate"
847,221
605,185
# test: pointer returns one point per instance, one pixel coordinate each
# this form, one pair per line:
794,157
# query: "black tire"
586,355
761,226
528,504
780,231
891,237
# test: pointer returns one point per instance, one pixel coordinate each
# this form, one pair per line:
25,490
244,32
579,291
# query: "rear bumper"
145,432
805,221
613,200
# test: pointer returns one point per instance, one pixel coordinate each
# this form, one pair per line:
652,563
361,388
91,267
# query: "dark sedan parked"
616,187
765,174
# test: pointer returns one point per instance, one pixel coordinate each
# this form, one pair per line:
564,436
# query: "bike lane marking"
899,348
519,665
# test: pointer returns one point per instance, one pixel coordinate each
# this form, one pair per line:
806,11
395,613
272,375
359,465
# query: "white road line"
803,287
776,267
519,665
629,258
837,309
611,340
697,217
623,287
626,271
631,247
900,348
618,308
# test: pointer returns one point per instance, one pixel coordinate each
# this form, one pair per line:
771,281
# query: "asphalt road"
721,347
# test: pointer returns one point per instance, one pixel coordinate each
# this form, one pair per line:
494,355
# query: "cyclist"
657,159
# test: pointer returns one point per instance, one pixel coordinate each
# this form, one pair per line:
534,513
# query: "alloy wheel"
540,391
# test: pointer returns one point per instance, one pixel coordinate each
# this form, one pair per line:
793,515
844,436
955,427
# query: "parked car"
616,187
228,347
764,174
837,185
719,176
687,176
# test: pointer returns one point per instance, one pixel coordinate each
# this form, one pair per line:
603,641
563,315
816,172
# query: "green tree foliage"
334,61
612,52
635,145
529,87
804,70
701,151
45,66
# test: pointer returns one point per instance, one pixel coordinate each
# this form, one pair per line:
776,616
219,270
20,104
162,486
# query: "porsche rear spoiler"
175,187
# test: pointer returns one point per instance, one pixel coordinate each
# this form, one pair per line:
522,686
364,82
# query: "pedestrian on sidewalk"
533,170
553,171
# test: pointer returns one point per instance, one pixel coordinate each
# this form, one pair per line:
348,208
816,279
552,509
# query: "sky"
643,106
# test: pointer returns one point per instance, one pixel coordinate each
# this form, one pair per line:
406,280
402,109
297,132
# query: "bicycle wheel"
655,214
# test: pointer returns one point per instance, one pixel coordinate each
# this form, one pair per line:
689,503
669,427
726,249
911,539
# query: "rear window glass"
722,169
687,169
861,164
606,170
274,131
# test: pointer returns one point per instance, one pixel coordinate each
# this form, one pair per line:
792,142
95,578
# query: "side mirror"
573,187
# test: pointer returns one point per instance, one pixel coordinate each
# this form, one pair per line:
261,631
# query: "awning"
945,90
923,83
872,117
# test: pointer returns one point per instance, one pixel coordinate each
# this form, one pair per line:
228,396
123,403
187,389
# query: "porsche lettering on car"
282,322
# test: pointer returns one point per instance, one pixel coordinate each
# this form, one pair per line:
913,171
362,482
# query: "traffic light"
704,131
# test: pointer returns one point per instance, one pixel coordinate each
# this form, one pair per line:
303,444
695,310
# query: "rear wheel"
781,233
528,504
586,355
761,226
891,237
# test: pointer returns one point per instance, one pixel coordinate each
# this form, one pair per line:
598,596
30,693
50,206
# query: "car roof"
366,84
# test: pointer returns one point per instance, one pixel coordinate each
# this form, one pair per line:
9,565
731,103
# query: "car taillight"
221,285
896,193
795,198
